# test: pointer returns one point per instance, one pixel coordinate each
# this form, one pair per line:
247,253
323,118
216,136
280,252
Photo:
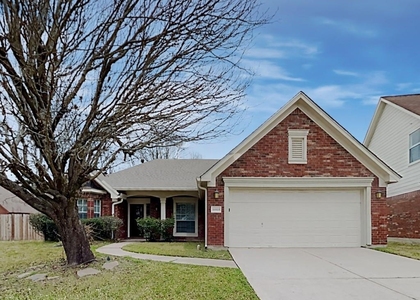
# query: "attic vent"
297,146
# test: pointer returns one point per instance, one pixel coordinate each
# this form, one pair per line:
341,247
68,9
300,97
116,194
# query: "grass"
407,250
132,279
182,249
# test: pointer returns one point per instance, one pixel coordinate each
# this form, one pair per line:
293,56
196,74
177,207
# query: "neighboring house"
14,218
299,180
394,135
10,204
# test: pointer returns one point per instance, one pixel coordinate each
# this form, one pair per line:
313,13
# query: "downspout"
122,197
205,210
113,206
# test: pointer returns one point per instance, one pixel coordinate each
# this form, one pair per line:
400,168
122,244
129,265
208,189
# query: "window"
97,209
82,208
185,217
414,152
297,146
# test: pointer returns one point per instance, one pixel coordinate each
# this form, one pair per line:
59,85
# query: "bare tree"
161,152
194,155
85,82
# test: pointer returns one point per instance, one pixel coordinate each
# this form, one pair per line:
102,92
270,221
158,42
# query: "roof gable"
323,120
409,104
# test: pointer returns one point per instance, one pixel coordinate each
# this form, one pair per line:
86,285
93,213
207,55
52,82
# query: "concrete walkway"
116,250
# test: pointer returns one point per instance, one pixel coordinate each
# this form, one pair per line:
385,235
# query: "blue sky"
343,54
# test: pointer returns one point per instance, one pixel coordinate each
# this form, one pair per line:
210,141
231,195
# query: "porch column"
162,208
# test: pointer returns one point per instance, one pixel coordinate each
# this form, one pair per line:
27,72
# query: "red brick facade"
105,204
269,158
404,215
121,211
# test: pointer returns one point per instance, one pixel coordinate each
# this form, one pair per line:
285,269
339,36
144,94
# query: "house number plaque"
216,209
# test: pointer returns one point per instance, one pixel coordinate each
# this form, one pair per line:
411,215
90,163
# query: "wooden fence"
16,227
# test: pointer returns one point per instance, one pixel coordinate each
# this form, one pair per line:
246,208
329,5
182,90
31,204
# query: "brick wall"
404,215
121,211
105,204
269,158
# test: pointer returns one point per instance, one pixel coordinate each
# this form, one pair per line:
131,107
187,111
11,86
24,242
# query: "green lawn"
407,250
182,249
132,279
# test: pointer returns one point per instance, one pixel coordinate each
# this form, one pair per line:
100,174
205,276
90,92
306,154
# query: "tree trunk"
75,242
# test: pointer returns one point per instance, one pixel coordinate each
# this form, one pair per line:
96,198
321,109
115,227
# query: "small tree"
87,83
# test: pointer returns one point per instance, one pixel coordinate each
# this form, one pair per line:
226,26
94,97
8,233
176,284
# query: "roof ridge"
398,96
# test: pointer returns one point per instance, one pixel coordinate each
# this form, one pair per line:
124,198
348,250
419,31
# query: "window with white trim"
97,208
185,213
298,146
82,208
414,150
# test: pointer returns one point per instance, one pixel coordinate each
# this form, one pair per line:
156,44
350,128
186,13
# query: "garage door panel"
276,218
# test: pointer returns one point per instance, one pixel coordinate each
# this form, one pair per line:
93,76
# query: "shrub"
103,227
149,227
46,226
166,228
110,225
154,229
97,228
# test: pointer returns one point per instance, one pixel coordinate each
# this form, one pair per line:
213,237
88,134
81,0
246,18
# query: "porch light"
216,194
378,195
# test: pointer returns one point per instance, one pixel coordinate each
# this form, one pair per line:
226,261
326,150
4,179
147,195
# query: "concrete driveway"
328,273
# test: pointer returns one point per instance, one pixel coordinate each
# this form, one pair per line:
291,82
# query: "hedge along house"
299,180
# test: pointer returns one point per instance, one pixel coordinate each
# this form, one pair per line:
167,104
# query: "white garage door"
307,218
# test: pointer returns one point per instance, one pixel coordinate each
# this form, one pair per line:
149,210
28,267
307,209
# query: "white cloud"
268,96
331,95
371,100
376,78
302,47
350,27
269,46
265,69
261,52
346,73
404,86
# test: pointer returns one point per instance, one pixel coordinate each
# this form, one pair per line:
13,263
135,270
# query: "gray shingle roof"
161,174
409,102
14,204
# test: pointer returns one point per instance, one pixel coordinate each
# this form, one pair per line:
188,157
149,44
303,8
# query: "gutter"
205,210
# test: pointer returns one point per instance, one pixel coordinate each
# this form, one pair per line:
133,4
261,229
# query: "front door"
136,211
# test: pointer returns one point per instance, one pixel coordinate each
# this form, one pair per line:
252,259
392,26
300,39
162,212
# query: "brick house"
299,180
394,135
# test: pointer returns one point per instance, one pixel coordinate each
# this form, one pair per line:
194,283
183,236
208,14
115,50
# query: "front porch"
185,207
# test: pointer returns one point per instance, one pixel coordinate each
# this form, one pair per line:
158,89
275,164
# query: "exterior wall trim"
298,182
